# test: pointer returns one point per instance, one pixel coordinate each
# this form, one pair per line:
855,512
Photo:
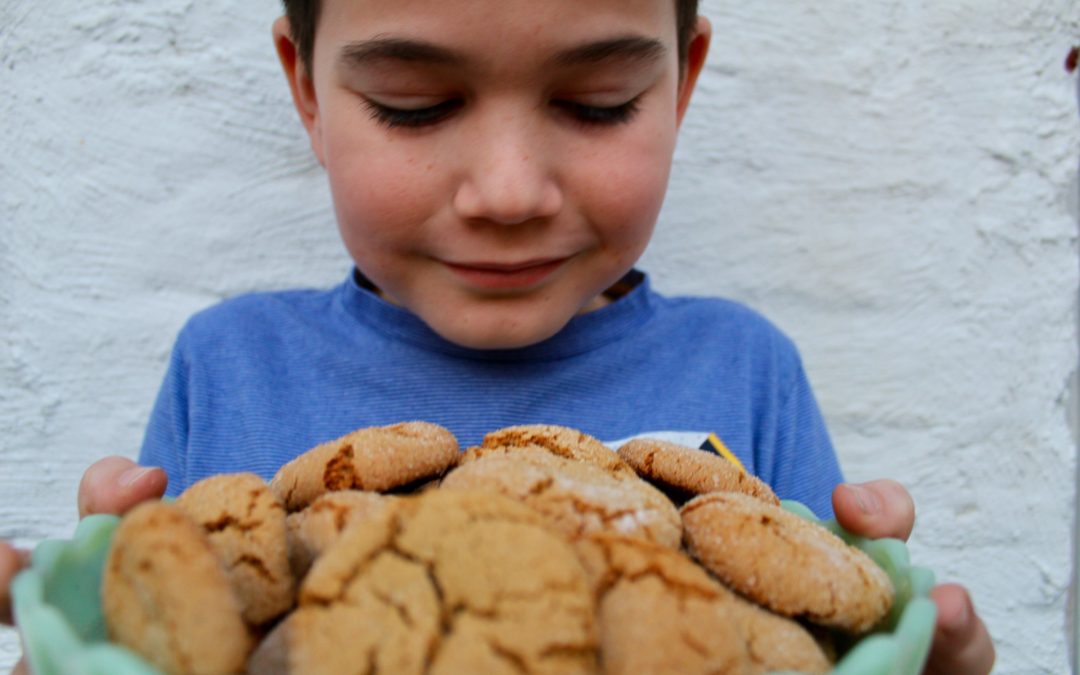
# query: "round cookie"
245,523
776,643
658,612
166,596
560,441
377,459
783,562
444,582
316,528
576,497
683,472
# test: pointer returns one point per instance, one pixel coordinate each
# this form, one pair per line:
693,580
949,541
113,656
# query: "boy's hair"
304,14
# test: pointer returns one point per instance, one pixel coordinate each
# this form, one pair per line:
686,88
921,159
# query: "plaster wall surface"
894,183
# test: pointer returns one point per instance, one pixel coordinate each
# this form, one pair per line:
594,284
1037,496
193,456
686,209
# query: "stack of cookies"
540,551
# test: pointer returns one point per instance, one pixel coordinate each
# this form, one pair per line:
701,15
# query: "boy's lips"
492,275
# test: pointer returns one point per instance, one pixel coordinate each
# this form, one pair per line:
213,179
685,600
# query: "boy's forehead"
533,24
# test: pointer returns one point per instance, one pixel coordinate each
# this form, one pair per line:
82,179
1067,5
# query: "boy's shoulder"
720,317
255,313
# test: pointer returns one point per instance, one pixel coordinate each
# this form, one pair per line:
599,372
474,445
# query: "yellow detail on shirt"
716,445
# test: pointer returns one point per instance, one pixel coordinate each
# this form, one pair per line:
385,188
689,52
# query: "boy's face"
495,165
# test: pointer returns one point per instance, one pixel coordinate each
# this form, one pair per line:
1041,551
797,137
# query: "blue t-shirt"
259,379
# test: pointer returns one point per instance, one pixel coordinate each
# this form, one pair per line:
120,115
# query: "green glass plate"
58,608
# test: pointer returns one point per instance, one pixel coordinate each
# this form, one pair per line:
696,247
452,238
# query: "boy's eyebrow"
631,47
396,49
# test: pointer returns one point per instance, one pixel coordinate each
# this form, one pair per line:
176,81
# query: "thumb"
879,508
115,484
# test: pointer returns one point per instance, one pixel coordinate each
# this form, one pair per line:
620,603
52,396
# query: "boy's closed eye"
583,113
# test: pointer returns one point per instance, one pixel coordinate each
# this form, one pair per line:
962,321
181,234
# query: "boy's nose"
507,178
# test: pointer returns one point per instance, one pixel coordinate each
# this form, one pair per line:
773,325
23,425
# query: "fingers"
115,484
11,561
879,508
962,644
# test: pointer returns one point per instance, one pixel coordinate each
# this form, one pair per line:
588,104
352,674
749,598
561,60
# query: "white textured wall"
893,182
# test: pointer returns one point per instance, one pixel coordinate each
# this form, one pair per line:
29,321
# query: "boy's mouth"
505,276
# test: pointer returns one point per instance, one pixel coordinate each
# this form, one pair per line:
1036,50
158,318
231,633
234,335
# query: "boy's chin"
495,338
498,331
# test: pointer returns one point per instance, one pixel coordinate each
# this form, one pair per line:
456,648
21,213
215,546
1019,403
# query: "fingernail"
868,501
129,477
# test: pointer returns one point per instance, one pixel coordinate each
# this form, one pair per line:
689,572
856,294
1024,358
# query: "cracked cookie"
560,441
377,459
577,497
785,563
777,643
166,596
683,473
245,523
443,582
316,528
659,612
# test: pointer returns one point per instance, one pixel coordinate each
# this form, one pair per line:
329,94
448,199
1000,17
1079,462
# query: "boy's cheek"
630,191
381,199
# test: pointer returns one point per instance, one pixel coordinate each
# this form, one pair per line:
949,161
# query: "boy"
497,168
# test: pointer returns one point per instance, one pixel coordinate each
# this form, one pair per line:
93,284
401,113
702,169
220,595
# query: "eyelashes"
597,115
585,115
412,117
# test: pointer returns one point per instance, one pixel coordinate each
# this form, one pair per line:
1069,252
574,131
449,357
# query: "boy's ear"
697,50
300,83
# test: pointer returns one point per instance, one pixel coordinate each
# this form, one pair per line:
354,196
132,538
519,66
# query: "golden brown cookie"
658,612
776,643
375,459
166,596
786,563
246,526
683,473
560,441
576,497
443,582
316,528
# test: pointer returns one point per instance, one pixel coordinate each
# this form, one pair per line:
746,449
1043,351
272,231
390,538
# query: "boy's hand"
115,484
11,561
883,508
110,485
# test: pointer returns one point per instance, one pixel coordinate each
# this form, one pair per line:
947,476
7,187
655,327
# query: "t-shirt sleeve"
801,461
165,441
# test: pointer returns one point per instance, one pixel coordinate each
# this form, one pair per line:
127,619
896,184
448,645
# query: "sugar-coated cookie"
375,459
316,528
166,596
786,563
577,497
686,472
246,526
776,643
560,441
658,612
443,582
